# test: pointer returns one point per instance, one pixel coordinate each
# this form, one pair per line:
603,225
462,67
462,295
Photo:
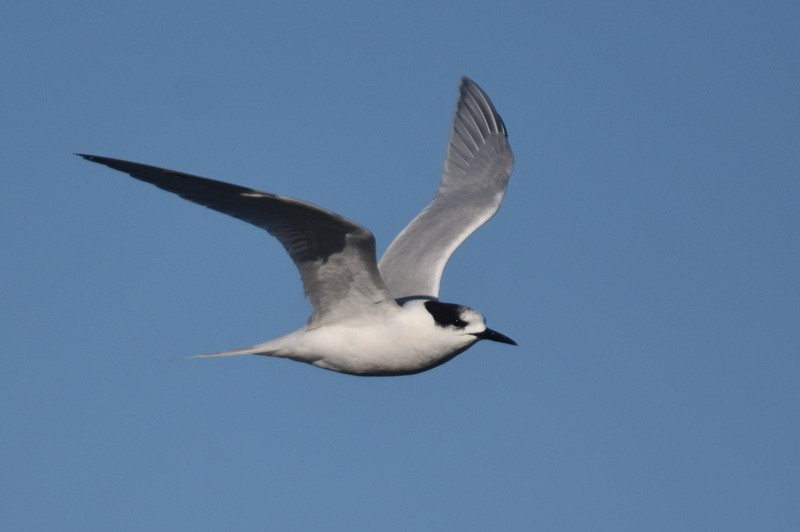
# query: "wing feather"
335,256
476,170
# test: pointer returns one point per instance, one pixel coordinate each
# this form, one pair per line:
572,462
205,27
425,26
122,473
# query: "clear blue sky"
646,259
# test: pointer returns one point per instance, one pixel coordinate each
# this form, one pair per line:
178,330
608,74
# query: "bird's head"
464,320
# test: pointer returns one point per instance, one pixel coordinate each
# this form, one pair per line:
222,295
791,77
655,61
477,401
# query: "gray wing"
335,256
474,180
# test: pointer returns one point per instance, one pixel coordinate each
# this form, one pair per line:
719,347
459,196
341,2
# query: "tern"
370,318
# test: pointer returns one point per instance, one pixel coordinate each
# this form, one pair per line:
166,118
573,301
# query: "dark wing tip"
108,161
116,164
469,90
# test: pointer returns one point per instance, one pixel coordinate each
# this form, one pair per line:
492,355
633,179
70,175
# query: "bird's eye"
460,324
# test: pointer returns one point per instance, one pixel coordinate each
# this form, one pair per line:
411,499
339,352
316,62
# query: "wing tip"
108,161
469,90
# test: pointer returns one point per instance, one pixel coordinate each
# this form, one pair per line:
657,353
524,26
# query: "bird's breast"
396,347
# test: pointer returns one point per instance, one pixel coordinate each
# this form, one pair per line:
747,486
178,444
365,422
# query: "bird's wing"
474,180
335,256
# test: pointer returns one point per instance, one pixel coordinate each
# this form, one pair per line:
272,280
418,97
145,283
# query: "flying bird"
370,318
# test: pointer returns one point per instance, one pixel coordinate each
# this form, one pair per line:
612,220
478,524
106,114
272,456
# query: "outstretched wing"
335,256
474,180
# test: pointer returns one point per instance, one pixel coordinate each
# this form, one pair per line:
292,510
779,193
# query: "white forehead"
472,316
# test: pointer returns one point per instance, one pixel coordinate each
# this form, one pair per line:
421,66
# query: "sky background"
645,259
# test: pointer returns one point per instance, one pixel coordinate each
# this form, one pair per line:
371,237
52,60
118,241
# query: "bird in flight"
373,318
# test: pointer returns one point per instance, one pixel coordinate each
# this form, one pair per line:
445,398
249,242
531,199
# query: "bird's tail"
258,349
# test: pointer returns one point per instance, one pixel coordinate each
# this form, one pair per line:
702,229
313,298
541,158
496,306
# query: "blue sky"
645,259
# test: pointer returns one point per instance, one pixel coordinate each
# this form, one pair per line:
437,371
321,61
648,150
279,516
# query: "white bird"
373,319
